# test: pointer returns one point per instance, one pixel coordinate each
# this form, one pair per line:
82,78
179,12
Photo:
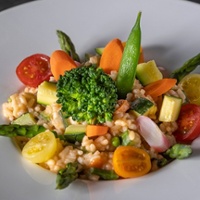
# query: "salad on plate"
111,116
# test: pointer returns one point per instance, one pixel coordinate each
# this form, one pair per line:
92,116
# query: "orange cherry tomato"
130,161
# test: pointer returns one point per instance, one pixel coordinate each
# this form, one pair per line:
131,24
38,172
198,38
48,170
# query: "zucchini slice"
170,109
141,106
148,72
75,133
46,93
25,119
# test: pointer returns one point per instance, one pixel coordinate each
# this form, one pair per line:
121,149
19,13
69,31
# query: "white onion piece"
152,134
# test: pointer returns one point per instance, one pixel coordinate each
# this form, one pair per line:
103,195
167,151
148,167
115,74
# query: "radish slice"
152,134
78,64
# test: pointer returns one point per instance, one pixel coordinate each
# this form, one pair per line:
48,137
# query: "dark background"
4,4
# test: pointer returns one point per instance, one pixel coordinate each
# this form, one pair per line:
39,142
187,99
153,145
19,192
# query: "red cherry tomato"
34,69
188,123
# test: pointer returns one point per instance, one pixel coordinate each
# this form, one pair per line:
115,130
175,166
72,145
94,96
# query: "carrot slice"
123,106
141,58
98,162
96,130
159,87
130,161
111,57
158,102
60,62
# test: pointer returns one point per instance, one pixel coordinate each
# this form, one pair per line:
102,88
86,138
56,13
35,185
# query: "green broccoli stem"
67,45
12,130
66,176
186,68
104,174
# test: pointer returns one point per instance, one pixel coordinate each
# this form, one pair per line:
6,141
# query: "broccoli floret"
88,94
179,151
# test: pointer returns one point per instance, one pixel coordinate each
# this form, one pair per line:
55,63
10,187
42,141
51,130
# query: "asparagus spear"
104,174
12,130
67,45
67,175
186,68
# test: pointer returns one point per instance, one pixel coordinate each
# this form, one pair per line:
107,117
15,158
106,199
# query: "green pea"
116,141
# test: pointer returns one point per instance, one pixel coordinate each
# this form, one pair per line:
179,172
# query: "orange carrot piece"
141,58
96,130
98,162
60,62
111,56
158,100
123,106
159,87
124,44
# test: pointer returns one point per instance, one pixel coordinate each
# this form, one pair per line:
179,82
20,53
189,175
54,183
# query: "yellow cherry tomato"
190,85
40,148
130,161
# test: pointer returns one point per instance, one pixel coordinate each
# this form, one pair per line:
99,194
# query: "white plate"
170,35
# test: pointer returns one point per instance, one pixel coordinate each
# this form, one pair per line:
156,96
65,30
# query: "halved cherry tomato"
41,147
34,69
188,123
130,161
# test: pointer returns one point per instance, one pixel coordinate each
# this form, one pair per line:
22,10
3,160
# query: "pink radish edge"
152,134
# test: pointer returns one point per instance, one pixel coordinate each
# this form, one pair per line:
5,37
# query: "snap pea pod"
67,45
186,68
130,58
12,130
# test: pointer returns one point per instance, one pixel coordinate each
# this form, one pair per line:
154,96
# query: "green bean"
130,58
